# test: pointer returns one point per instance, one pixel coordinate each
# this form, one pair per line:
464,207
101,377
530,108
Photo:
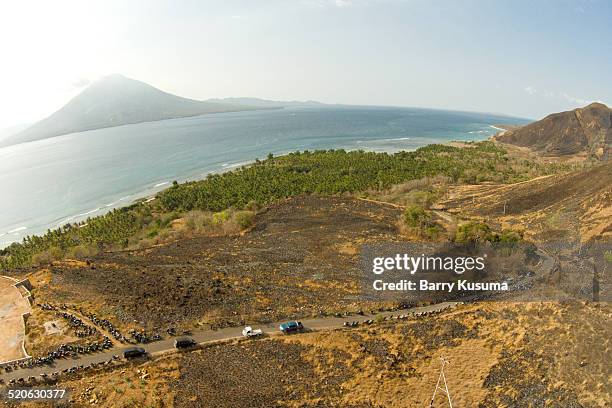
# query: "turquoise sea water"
51,182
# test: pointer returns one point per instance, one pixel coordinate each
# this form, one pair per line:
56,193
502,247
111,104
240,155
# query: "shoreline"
149,193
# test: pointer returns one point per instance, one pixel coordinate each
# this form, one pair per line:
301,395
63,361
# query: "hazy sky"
524,58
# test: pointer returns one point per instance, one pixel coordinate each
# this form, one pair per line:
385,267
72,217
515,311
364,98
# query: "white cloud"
530,90
328,3
556,95
343,3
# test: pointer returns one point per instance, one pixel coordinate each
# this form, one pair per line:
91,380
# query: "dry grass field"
563,207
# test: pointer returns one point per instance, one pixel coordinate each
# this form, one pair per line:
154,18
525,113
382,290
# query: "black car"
134,352
184,343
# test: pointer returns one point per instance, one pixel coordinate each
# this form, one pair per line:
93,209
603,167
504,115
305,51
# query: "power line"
441,379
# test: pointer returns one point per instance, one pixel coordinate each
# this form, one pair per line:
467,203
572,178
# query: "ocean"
48,183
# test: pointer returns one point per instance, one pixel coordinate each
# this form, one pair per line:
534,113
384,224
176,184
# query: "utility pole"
441,379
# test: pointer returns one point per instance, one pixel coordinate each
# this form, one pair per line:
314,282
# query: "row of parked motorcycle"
43,378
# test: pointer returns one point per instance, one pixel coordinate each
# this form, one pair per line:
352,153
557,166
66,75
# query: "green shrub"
416,216
420,222
47,256
244,219
433,232
166,219
473,232
220,217
510,236
422,198
82,251
481,232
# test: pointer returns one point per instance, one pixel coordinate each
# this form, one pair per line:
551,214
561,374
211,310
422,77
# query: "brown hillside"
567,204
586,131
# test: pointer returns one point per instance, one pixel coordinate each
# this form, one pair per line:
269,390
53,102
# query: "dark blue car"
291,327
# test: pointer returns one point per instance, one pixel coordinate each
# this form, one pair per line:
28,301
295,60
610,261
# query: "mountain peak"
115,76
120,84
595,105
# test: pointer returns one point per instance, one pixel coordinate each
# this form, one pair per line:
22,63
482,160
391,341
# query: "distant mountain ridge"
264,103
114,101
585,130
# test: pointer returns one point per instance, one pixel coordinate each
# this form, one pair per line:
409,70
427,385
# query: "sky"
521,58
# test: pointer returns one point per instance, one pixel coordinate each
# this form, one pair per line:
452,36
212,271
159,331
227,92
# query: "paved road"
209,336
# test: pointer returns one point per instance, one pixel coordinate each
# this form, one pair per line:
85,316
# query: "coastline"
15,232
149,193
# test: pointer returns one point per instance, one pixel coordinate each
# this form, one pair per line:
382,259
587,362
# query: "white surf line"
117,201
95,210
16,230
391,139
88,212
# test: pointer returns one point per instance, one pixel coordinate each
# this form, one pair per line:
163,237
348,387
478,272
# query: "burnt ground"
254,374
511,355
501,355
300,259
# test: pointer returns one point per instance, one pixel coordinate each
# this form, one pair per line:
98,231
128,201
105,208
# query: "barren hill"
586,131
